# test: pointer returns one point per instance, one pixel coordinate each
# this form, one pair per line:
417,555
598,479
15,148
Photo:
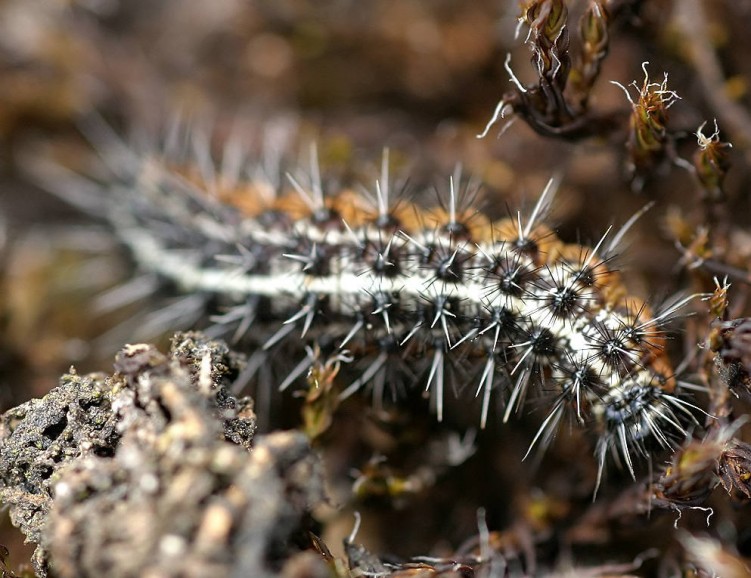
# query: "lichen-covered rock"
183,505
143,458
73,421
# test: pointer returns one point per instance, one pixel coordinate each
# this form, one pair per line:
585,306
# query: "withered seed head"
711,162
734,469
701,465
648,135
690,477
731,340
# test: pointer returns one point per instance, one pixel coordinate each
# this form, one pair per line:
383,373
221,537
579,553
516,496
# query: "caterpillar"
404,293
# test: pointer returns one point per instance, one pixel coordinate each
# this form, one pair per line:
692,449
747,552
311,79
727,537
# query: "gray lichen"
155,471
37,438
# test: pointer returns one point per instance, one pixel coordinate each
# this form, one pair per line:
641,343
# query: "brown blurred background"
419,76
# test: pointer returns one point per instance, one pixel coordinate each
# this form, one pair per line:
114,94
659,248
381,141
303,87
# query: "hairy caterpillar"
403,291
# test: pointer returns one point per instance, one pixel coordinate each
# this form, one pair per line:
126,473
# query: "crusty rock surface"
37,438
154,471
